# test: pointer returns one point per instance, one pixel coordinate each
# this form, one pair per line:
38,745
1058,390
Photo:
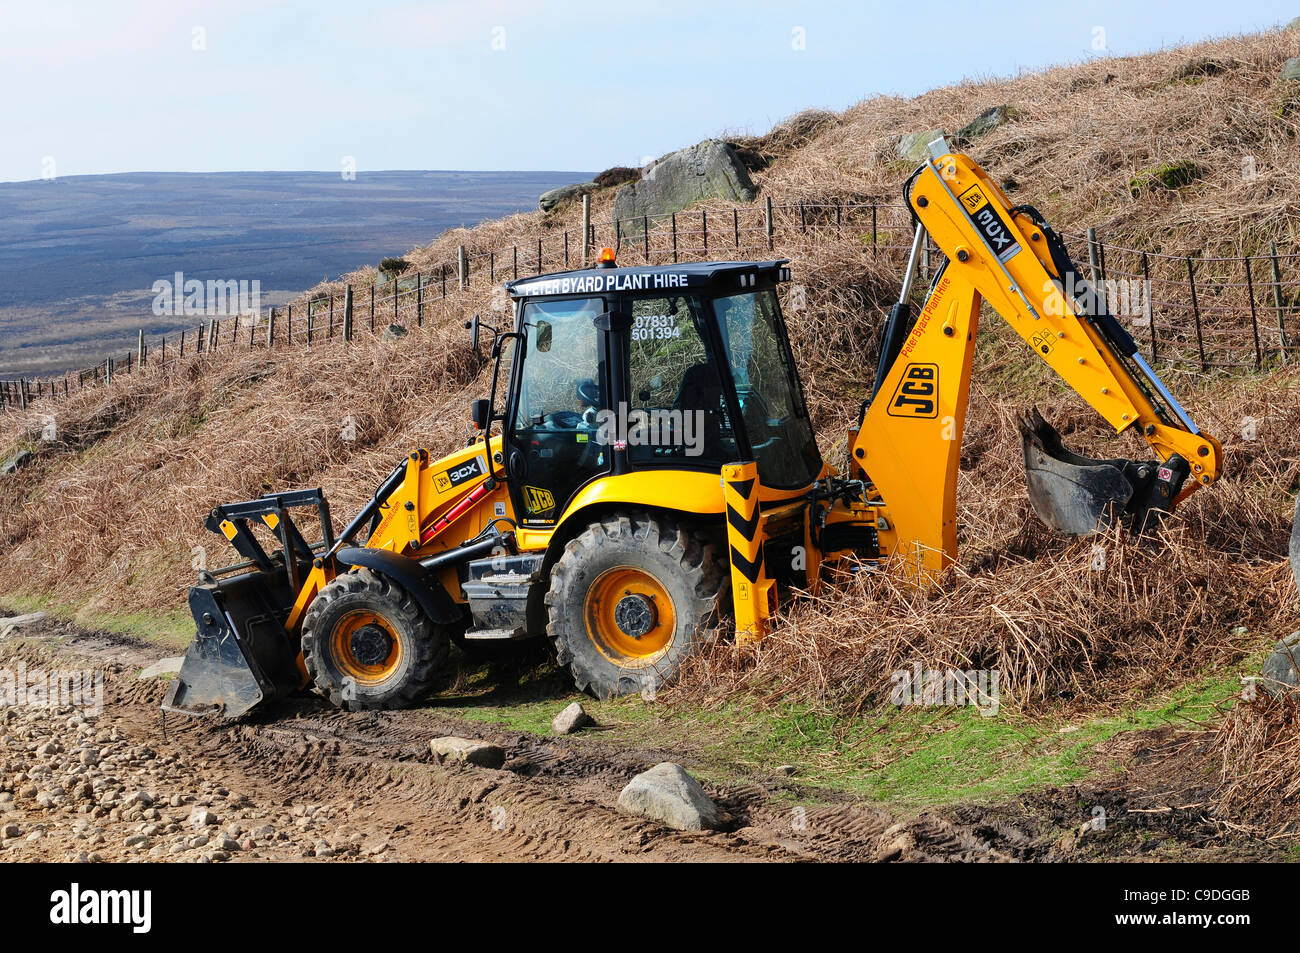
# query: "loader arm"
909,439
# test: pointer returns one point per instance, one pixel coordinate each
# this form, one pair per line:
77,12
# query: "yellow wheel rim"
365,647
630,616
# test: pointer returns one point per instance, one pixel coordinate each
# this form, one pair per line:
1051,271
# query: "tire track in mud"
365,786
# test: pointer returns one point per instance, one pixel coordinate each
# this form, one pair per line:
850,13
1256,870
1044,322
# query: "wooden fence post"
347,313
372,306
139,349
270,326
767,209
586,229
419,300
22,394
108,371
1094,258
462,266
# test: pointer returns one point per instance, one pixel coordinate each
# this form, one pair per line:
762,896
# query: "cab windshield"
767,387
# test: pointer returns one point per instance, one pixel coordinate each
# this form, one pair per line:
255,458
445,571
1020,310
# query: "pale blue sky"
504,84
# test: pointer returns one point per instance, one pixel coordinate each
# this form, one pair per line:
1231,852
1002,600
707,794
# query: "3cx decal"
459,474
917,394
988,221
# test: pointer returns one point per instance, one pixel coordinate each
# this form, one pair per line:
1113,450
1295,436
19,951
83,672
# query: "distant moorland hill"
79,254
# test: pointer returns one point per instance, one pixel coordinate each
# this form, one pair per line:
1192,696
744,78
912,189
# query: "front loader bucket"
241,655
1078,495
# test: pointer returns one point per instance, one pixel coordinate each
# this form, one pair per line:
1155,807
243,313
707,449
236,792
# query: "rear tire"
367,644
630,599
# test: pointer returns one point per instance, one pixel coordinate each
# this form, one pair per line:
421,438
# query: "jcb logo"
973,198
538,500
917,394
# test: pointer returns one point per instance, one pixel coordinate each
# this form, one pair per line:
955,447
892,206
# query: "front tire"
367,644
630,599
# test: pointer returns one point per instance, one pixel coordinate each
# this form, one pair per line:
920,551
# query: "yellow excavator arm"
908,442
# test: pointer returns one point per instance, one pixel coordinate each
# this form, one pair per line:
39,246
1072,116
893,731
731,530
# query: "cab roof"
705,276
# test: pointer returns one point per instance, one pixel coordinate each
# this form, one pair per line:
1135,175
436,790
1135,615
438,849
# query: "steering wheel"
757,417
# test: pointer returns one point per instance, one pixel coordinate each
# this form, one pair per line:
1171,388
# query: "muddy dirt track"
310,782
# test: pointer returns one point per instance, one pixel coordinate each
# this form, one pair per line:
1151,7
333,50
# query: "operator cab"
619,370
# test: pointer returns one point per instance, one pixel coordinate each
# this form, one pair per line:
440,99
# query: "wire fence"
1197,313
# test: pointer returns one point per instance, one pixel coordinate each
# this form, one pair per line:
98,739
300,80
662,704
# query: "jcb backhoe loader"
653,451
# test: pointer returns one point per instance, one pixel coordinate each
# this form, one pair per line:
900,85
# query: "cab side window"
676,407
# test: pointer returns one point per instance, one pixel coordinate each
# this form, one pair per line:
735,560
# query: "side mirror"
544,336
480,410
473,332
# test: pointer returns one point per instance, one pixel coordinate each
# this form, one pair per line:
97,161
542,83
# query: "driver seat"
701,389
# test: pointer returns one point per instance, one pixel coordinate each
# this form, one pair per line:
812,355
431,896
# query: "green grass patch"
901,758
174,629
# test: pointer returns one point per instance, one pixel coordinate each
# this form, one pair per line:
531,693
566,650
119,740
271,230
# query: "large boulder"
10,623
986,122
163,667
914,146
15,463
549,201
1291,69
468,750
666,793
574,718
1280,673
709,170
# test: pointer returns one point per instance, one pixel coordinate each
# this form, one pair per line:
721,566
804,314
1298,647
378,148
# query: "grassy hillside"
109,513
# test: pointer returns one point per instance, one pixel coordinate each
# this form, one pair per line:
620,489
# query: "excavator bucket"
1080,495
241,655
